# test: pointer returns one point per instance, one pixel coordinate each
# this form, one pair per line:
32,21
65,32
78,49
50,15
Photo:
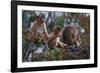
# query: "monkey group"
57,38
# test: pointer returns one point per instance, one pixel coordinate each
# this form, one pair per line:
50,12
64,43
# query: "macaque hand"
65,46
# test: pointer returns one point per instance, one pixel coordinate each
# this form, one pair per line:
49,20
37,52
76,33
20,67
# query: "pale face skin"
56,32
39,20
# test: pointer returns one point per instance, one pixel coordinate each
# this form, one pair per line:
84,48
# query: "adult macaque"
39,29
54,39
70,36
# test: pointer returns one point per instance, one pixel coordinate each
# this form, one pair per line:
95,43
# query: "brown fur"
54,39
70,36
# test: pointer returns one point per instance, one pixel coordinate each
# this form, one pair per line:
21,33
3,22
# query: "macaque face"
39,20
56,31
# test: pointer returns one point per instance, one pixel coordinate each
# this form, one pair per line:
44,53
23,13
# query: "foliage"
32,18
60,22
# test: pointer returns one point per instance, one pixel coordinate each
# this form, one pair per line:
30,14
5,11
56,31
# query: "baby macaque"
54,39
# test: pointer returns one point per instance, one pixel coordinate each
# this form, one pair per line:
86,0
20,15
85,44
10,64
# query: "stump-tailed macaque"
39,28
54,39
70,36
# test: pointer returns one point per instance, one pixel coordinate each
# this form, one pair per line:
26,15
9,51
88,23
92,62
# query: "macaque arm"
52,37
45,31
59,43
33,33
